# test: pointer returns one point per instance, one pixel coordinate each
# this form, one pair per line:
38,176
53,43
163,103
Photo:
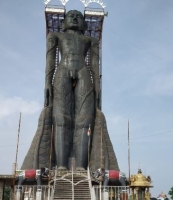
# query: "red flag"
89,131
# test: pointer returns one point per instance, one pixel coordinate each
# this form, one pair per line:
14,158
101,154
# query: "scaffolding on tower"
94,18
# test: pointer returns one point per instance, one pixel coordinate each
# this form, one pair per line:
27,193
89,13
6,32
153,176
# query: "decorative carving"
110,176
46,1
139,180
64,2
149,179
87,2
147,194
132,178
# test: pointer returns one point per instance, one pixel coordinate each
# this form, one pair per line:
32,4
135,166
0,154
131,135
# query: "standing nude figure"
72,93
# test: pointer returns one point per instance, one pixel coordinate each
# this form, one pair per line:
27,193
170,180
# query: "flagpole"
101,162
17,151
50,159
101,152
129,150
51,143
89,133
17,143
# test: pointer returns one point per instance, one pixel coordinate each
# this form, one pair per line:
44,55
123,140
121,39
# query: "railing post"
92,191
18,194
39,194
111,193
72,185
49,192
100,190
106,193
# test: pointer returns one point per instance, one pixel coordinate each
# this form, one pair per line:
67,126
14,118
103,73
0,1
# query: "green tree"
171,193
7,193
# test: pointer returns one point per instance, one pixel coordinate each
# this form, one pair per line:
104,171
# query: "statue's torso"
73,49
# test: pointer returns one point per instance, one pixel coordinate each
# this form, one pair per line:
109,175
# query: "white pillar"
105,195
38,195
18,195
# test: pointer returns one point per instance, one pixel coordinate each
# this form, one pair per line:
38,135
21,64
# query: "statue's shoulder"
54,35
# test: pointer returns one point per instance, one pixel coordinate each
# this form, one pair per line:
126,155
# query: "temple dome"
140,180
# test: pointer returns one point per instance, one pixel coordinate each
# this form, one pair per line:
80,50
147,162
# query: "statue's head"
74,20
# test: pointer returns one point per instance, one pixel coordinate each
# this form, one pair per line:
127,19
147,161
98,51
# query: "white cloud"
14,104
160,85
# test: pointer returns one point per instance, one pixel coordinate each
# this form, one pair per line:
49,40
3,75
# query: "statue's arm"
95,68
52,42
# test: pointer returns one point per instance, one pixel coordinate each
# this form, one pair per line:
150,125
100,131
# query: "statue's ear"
63,25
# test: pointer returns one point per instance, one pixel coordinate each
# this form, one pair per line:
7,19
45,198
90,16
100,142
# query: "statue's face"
74,20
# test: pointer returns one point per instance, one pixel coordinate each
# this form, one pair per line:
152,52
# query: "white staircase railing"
111,193
72,185
31,192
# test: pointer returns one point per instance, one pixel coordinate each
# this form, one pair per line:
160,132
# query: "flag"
89,131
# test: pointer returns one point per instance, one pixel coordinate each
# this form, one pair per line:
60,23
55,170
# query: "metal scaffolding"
54,17
94,18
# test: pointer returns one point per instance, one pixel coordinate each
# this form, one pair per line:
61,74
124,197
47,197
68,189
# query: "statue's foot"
61,168
80,169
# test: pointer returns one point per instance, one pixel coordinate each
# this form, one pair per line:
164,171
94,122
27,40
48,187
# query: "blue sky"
137,81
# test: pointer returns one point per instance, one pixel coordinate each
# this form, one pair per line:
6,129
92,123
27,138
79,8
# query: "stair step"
63,188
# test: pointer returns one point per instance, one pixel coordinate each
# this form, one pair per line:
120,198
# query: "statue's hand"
48,95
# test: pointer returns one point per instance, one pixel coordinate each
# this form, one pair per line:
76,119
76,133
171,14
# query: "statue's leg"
63,110
84,116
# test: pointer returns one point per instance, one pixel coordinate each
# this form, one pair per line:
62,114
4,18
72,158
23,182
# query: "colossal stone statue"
71,103
73,91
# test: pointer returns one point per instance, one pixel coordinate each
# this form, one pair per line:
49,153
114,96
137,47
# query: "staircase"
72,187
